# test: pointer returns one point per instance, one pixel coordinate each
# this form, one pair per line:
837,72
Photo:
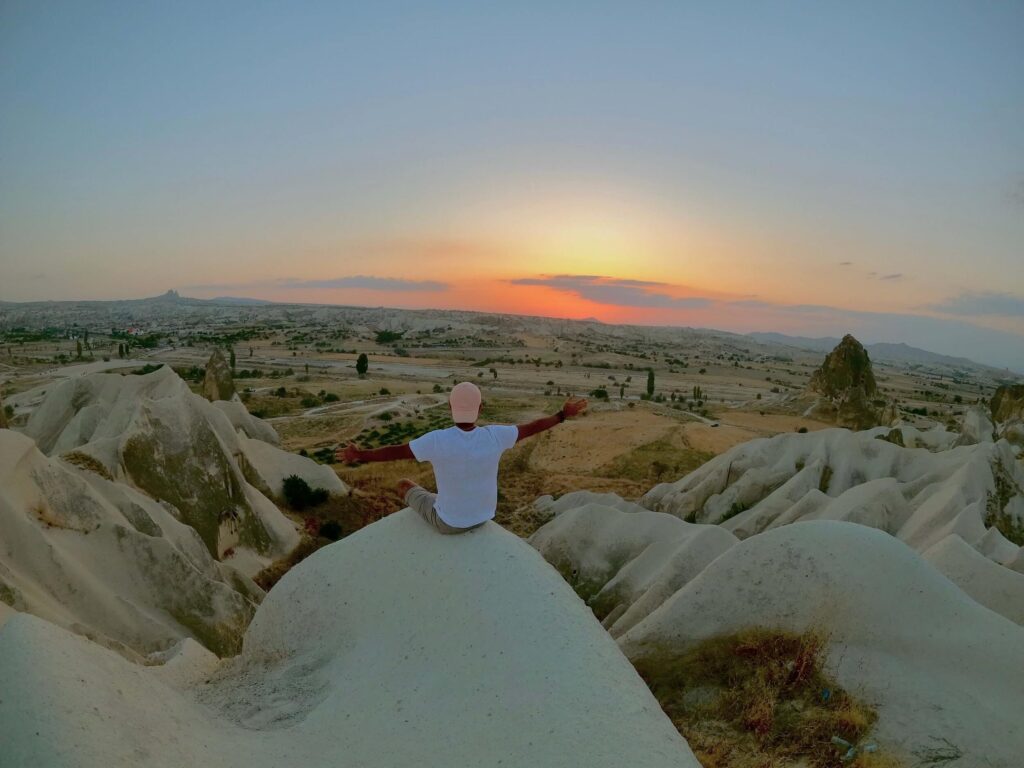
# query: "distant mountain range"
170,297
881,351
894,353
176,298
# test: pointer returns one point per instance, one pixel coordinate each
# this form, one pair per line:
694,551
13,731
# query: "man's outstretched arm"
570,409
351,453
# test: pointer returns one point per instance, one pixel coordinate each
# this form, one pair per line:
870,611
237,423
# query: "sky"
811,168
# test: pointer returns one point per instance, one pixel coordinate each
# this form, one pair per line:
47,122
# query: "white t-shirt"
466,468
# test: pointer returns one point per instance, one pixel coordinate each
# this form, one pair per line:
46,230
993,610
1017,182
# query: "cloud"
369,283
893,276
982,304
845,263
615,291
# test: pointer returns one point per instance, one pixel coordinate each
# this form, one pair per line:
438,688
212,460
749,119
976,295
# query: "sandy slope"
395,647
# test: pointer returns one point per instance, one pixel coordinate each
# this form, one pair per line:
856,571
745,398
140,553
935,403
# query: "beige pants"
422,501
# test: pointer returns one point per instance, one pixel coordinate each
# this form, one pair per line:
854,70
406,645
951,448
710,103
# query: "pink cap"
465,401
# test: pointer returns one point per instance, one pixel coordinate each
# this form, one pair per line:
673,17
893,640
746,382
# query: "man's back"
466,468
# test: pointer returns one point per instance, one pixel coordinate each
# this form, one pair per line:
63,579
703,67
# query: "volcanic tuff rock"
1008,403
943,670
846,367
624,565
844,388
218,384
394,647
106,561
153,433
916,494
140,488
1008,413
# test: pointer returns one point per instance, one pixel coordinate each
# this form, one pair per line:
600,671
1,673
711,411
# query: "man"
465,460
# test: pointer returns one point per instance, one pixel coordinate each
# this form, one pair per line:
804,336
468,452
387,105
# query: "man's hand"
350,454
574,406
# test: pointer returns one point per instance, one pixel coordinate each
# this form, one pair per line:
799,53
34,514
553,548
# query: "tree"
78,347
362,364
650,382
232,360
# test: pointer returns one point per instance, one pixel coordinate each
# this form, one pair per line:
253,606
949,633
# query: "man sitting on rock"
465,460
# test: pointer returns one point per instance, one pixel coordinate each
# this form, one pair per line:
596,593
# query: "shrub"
299,495
766,695
331,530
385,391
330,397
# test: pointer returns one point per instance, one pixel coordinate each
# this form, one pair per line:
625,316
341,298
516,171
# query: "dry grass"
760,699
658,461
87,462
273,573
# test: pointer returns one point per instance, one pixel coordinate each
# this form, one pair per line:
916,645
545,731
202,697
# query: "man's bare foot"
404,486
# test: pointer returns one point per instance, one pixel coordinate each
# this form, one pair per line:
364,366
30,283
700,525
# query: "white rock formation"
992,585
118,532
943,671
267,466
625,563
976,427
153,433
106,561
394,647
919,495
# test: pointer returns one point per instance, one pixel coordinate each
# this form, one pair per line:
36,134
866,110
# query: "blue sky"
866,159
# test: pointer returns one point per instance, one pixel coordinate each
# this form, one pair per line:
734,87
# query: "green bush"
331,530
299,495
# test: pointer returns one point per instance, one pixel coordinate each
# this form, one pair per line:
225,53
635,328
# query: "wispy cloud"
617,292
893,276
369,283
845,263
982,304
